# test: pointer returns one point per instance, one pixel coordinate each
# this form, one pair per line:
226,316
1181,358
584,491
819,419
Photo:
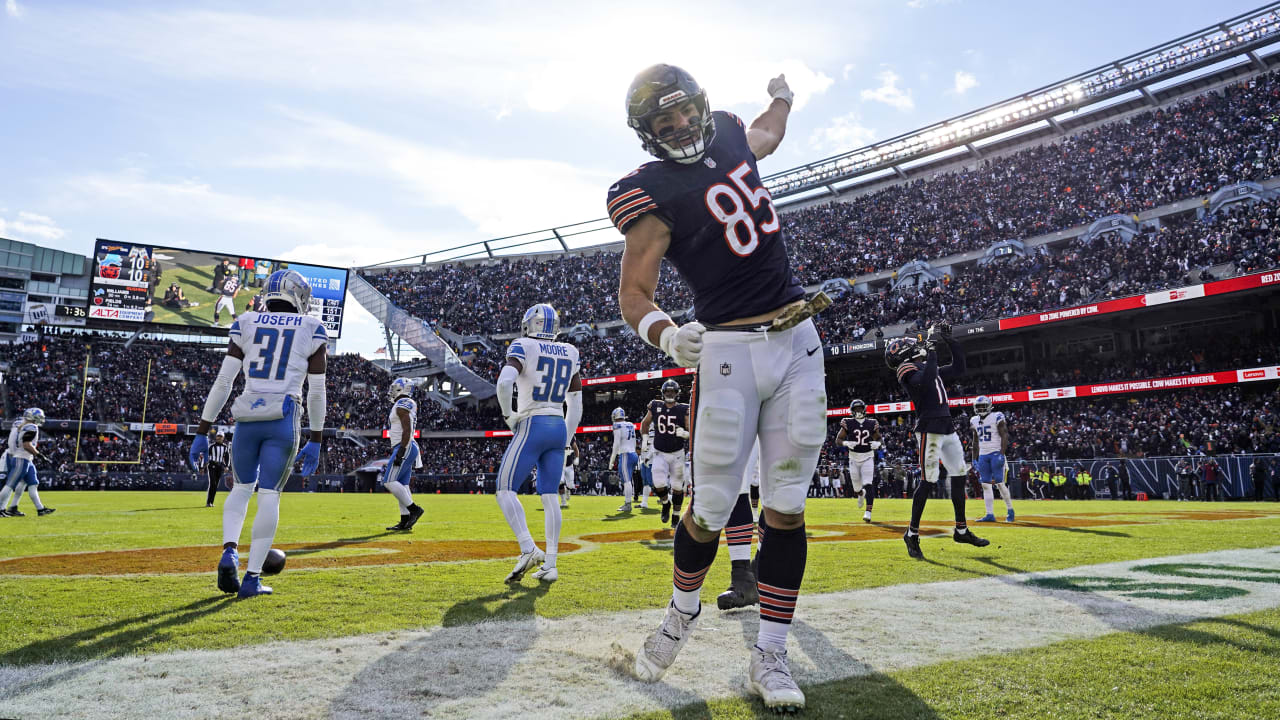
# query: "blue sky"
356,132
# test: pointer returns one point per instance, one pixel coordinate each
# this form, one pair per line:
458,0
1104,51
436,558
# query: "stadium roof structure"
1238,38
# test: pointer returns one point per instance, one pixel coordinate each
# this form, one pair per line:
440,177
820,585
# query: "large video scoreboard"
168,286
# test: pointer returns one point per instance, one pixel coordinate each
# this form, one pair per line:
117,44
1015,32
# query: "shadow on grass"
1086,531
115,639
183,507
1181,633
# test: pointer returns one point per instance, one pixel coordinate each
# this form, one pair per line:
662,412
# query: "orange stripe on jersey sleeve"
622,210
623,197
624,222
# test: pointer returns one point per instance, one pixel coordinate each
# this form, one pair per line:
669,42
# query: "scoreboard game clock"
136,283
70,311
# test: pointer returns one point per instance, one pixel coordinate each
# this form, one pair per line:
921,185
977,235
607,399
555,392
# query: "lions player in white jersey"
277,350
20,466
624,453
567,482
546,374
405,455
990,442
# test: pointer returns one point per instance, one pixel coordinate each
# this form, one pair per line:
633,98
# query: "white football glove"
875,444
780,90
683,344
682,433
513,419
848,443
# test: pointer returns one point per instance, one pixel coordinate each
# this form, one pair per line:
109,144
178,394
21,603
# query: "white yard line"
538,668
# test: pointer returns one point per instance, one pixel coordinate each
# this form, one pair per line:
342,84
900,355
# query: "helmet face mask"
670,391
982,405
35,416
288,286
399,387
902,349
858,409
660,99
540,321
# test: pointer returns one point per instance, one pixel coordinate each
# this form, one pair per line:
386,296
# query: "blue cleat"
229,571
252,586
1009,517
986,518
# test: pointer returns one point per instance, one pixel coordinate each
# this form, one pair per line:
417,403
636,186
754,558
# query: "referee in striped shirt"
216,462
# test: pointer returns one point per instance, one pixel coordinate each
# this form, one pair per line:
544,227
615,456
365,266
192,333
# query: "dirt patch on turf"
161,561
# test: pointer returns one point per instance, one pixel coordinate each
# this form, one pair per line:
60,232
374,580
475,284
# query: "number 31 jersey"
726,237
277,348
547,369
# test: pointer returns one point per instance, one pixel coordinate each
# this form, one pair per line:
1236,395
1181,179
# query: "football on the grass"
274,562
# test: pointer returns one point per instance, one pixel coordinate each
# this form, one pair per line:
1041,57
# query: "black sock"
692,559
755,495
870,492
677,499
918,499
741,523
411,508
780,570
957,500
662,494
231,545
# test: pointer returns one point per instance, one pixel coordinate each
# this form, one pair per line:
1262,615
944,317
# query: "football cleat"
866,516
625,508
742,590
45,511
913,545
546,574
229,571
15,512
524,562
675,520
861,499
252,586
770,678
1009,516
415,513
986,518
399,525
660,648
666,513
970,539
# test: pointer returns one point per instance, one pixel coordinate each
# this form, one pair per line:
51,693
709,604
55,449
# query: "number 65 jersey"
725,232
548,367
277,347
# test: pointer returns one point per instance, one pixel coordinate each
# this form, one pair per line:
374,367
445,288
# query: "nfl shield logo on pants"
725,368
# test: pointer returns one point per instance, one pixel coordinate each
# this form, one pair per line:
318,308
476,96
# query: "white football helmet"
982,405
35,416
619,414
399,387
291,287
540,321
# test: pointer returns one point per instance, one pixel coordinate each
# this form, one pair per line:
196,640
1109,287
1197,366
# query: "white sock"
35,497
988,498
551,516
687,601
647,490
513,511
1004,495
20,488
5,492
402,494
628,491
740,552
772,635
264,528
234,509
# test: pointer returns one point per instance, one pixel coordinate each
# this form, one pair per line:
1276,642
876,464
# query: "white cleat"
861,501
547,574
660,648
866,516
524,562
770,678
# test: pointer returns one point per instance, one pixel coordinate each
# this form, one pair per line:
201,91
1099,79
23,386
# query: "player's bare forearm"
647,241
766,132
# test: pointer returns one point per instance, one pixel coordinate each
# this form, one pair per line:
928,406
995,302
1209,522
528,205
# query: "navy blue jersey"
726,237
665,421
922,380
860,433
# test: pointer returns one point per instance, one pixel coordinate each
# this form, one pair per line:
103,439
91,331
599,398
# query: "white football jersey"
547,368
394,433
20,428
988,434
624,438
277,348
647,447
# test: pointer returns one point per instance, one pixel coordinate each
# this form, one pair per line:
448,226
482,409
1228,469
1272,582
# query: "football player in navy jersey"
916,365
861,435
668,420
702,206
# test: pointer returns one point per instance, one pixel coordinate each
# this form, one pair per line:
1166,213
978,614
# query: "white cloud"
965,81
846,70
889,93
843,133
12,8
31,227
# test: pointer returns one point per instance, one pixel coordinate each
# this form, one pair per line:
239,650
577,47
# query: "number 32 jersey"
726,236
547,369
277,348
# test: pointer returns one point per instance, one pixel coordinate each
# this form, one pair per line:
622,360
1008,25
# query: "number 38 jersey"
547,368
665,421
277,348
726,237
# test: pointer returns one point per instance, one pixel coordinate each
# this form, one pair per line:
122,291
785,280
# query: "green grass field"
139,591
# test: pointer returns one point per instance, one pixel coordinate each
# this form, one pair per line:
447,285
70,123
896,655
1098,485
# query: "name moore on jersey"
547,368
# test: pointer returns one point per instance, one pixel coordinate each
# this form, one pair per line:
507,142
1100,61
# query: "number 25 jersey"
726,236
277,348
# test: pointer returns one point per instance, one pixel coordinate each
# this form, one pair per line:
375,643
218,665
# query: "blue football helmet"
399,388
858,409
540,321
664,88
291,287
619,415
902,349
35,416
670,391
